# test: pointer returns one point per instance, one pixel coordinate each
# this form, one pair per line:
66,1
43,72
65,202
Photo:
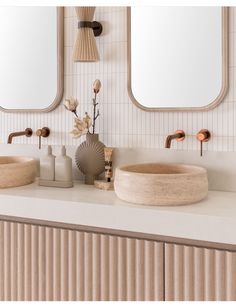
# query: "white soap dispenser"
63,167
47,166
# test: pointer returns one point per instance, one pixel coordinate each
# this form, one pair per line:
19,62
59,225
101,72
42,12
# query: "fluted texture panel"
199,274
44,263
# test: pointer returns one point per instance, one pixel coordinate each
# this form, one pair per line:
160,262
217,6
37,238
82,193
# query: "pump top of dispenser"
63,151
49,150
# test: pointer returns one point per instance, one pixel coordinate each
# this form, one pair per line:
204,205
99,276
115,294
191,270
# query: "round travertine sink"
17,171
161,184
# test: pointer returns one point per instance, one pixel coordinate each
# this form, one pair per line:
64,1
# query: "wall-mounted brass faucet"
27,132
179,135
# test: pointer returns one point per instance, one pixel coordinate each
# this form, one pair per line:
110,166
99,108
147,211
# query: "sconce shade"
85,48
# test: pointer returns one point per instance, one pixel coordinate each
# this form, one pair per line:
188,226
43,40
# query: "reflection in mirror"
31,58
177,57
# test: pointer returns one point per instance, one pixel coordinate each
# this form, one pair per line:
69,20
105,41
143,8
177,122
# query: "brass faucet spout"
27,132
178,135
169,138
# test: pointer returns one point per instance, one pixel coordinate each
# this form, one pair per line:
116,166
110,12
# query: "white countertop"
213,219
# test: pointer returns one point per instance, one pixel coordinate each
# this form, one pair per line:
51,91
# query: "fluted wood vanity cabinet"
200,274
47,263
50,263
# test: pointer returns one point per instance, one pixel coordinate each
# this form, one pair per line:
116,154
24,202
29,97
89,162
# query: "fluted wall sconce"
85,48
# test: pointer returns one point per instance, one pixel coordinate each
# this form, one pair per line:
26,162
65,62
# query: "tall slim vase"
89,158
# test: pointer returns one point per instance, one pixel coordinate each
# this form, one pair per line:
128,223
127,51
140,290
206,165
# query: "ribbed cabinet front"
53,264
199,274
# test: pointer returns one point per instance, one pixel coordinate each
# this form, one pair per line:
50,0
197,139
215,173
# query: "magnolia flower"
97,86
71,105
81,127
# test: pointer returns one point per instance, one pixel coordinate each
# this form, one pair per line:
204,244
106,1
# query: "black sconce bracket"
95,25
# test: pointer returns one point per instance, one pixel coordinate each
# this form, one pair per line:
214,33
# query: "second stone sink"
161,184
17,171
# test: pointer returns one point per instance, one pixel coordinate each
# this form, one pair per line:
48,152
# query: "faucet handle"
44,132
203,135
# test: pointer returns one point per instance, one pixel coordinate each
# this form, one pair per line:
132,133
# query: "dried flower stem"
95,112
75,113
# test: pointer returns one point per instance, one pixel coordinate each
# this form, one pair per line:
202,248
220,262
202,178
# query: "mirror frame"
225,69
60,70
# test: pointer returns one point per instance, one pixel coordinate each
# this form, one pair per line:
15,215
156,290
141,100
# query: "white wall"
121,123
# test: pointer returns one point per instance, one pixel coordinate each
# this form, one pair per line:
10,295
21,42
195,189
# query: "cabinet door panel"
45,263
199,274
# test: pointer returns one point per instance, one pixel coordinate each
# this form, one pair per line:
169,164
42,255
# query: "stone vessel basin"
17,171
161,184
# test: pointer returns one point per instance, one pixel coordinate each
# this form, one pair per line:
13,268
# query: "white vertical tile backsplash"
121,123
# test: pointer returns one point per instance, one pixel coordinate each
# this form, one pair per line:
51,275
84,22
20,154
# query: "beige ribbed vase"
89,158
85,48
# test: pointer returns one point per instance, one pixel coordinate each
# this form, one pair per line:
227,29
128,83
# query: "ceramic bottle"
47,166
63,167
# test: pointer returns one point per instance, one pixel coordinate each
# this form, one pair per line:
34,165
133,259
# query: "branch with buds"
81,127
96,88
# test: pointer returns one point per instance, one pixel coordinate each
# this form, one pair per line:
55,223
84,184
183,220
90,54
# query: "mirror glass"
177,57
30,58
